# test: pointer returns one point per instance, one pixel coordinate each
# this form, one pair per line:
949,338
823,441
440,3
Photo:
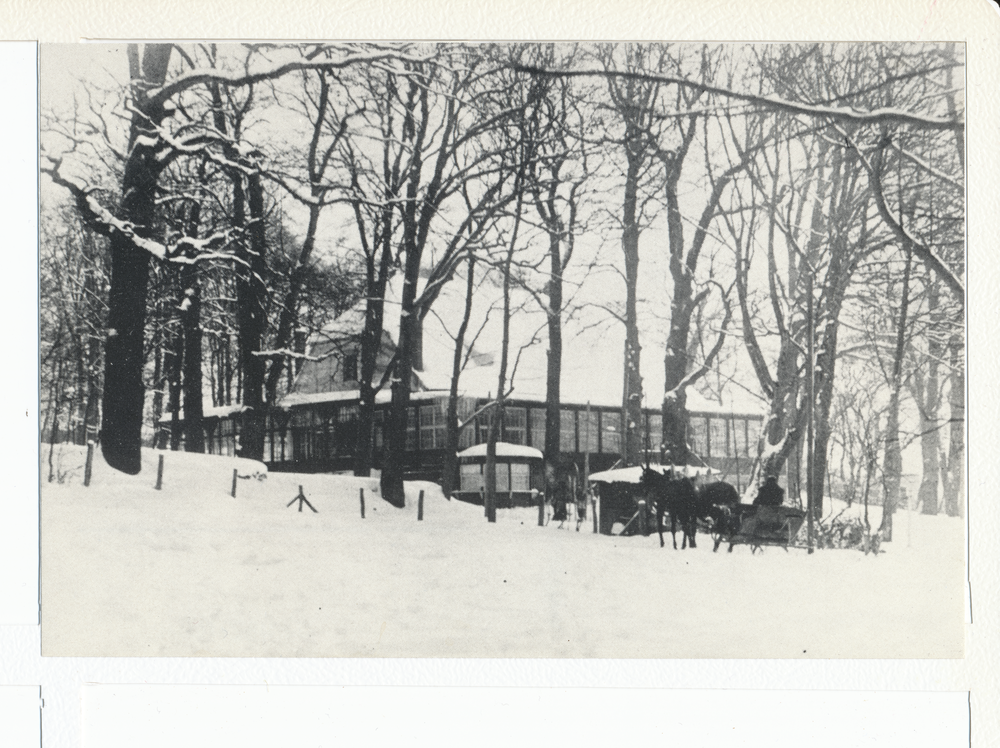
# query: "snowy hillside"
190,570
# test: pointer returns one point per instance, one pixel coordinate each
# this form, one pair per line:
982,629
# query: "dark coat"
770,494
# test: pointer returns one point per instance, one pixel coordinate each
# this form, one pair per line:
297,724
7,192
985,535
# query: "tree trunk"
194,436
90,417
954,500
395,424
490,468
449,468
227,353
781,430
795,475
892,466
495,425
378,261
676,362
124,358
371,344
553,465
928,400
159,386
172,363
251,295
632,438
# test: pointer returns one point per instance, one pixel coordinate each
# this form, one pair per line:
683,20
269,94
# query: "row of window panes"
328,439
510,477
579,430
730,437
588,431
537,428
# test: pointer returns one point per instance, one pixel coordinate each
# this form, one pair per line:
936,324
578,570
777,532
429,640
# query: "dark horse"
678,497
721,502
686,505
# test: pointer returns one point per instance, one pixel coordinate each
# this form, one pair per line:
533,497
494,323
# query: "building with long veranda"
314,428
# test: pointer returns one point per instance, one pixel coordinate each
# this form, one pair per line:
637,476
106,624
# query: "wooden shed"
619,490
520,476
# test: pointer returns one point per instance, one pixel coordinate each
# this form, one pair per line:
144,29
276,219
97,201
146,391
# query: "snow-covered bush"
846,532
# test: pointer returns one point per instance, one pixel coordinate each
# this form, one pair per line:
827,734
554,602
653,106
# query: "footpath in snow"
188,570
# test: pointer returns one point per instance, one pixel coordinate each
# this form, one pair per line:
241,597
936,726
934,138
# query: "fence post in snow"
159,474
420,506
362,491
90,464
234,482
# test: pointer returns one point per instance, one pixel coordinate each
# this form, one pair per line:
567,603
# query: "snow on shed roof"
504,449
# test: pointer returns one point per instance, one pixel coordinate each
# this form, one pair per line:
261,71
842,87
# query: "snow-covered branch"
924,252
884,115
185,81
286,353
183,249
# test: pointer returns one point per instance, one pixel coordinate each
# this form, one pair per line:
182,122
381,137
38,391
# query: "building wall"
338,366
320,437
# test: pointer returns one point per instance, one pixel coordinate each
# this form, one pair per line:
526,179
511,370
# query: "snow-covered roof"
697,403
222,411
347,323
634,474
311,398
504,449
336,396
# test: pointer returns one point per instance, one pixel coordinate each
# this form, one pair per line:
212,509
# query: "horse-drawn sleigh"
758,526
640,497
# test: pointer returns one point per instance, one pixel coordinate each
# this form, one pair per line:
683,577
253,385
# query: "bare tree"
133,231
448,112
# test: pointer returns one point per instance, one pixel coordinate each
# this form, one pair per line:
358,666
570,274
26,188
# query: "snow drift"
128,570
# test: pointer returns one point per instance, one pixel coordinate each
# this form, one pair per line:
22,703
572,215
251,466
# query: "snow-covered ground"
189,570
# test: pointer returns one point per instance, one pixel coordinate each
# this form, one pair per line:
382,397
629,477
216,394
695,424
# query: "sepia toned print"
423,349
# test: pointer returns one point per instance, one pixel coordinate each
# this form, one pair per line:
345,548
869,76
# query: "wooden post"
362,492
510,483
301,498
159,474
593,510
420,507
234,482
88,470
